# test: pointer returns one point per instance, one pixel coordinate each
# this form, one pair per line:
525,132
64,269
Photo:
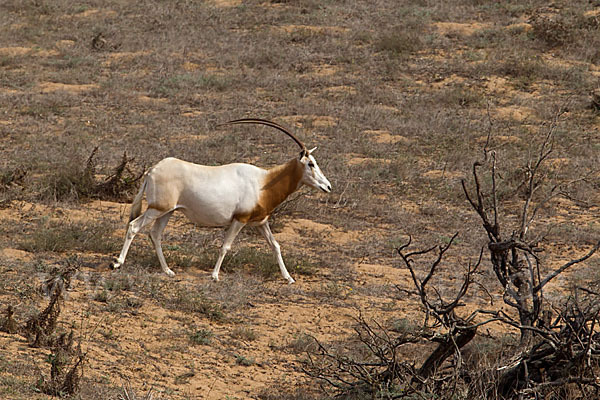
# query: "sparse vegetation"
74,181
201,336
192,301
54,235
244,333
398,97
244,361
66,369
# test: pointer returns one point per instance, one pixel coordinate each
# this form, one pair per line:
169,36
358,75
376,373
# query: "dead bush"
9,325
11,184
551,28
74,182
40,329
66,368
557,356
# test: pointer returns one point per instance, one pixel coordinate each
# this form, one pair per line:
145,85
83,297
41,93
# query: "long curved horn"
267,123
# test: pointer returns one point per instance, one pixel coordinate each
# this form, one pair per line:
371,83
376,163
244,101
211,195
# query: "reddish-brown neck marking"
279,183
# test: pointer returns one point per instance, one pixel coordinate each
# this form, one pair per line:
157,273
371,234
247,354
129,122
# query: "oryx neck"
281,181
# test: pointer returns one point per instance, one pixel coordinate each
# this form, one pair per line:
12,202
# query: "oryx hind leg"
233,230
156,238
133,229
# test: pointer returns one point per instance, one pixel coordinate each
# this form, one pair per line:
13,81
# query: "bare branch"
561,269
545,150
495,195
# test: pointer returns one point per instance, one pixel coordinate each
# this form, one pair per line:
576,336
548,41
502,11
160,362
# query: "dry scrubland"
398,96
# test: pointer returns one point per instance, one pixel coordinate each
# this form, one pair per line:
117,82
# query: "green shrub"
201,336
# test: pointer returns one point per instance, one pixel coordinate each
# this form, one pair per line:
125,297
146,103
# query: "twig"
560,270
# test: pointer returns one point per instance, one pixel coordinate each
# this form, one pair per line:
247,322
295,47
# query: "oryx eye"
311,164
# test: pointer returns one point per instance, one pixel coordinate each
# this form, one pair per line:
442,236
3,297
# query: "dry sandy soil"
398,97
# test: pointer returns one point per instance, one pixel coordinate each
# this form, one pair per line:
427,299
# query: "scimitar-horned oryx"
232,195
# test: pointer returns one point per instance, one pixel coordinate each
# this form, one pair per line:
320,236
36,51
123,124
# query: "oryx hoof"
215,277
169,272
115,264
290,280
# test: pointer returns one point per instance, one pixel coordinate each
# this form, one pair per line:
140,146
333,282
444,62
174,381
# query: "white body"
232,195
208,196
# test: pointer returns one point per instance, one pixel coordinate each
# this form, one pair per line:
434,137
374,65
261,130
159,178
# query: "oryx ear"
311,150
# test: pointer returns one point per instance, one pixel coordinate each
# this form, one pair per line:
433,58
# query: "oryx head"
312,174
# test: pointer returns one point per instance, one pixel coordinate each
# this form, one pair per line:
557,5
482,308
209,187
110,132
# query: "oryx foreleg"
266,231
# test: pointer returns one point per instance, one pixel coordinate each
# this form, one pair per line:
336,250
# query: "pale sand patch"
49,87
65,44
215,70
193,114
387,108
383,136
294,120
14,27
503,87
367,160
520,27
515,113
389,273
185,138
123,56
8,91
128,54
293,229
496,83
15,255
325,70
340,90
14,51
190,66
324,121
312,28
95,12
47,53
459,29
441,174
409,206
570,212
452,79
499,139
101,208
559,162
153,100
226,3
318,121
